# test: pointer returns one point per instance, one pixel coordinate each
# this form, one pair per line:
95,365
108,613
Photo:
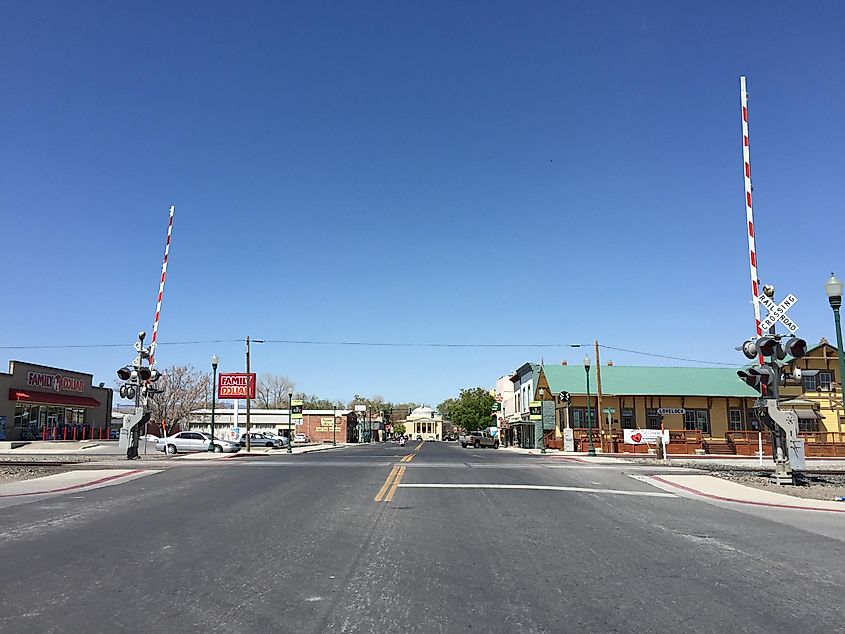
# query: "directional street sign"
777,312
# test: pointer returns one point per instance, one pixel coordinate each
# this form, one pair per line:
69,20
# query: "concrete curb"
72,487
724,498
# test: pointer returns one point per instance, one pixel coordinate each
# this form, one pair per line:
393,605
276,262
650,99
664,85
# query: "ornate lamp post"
214,362
542,392
833,288
592,449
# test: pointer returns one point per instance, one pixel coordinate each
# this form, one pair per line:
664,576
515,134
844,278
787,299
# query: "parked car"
280,438
150,438
301,438
194,441
479,439
258,439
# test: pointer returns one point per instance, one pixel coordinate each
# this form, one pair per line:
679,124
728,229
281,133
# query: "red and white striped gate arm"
161,287
749,209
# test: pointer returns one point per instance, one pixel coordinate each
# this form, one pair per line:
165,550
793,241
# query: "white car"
188,441
301,438
257,439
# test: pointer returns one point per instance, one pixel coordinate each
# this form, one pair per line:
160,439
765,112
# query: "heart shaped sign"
637,437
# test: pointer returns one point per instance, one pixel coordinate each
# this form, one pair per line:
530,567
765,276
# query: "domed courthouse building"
424,423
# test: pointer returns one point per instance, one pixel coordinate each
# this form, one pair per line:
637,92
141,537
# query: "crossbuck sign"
777,312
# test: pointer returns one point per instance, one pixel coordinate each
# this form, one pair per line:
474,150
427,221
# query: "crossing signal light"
752,380
124,373
767,346
795,347
758,376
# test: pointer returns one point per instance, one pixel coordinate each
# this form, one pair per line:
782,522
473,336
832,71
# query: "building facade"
318,425
704,409
521,431
41,402
424,423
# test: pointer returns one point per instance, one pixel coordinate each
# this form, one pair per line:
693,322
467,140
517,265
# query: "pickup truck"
479,439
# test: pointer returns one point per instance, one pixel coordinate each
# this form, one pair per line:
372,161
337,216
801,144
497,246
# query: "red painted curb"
725,499
75,486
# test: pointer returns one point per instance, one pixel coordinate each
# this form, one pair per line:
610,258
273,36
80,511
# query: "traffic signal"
124,373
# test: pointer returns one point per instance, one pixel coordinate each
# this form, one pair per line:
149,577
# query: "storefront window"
628,419
652,419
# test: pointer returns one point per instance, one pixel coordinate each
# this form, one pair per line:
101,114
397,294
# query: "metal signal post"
137,379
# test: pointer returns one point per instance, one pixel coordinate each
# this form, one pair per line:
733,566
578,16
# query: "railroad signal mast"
138,380
768,376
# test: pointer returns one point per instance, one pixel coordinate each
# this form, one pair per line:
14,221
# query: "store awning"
808,414
53,398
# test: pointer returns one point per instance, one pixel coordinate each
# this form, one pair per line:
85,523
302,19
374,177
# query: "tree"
471,410
184,389
273,391
312,401
399,428
445,408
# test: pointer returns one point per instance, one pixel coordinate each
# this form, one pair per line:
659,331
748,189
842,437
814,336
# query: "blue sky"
474,172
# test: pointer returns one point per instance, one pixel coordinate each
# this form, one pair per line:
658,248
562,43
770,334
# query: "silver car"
188,441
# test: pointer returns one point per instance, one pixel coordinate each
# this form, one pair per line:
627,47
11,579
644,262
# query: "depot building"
38,401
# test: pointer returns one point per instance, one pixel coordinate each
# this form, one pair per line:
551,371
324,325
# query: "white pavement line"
537,487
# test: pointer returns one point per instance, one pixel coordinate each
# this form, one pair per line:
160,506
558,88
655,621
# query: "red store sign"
57,382
235,385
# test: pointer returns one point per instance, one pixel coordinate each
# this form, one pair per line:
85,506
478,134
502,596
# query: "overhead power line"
664,356
375,344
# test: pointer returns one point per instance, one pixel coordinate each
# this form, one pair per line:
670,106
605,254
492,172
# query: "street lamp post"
214,362
833,288
542,392
592,449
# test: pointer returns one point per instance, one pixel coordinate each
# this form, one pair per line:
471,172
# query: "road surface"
459,540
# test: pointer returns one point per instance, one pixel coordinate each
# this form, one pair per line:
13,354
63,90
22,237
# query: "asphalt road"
300,544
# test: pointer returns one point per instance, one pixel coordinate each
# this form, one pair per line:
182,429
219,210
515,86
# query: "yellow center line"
389,496
386,484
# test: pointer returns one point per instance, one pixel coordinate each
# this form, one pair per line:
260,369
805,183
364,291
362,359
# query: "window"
652,419
579,417
808,424
628,419
753,420
697,419
824,379
809,383
735,420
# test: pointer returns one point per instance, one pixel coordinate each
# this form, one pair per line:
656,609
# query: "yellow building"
705,409
424,423
822,391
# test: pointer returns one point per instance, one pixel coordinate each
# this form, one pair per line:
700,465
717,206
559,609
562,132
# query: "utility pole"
290,415
247,393
599,409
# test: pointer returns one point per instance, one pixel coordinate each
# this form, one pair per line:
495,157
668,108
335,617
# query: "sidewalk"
39,447
726,491
76,480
